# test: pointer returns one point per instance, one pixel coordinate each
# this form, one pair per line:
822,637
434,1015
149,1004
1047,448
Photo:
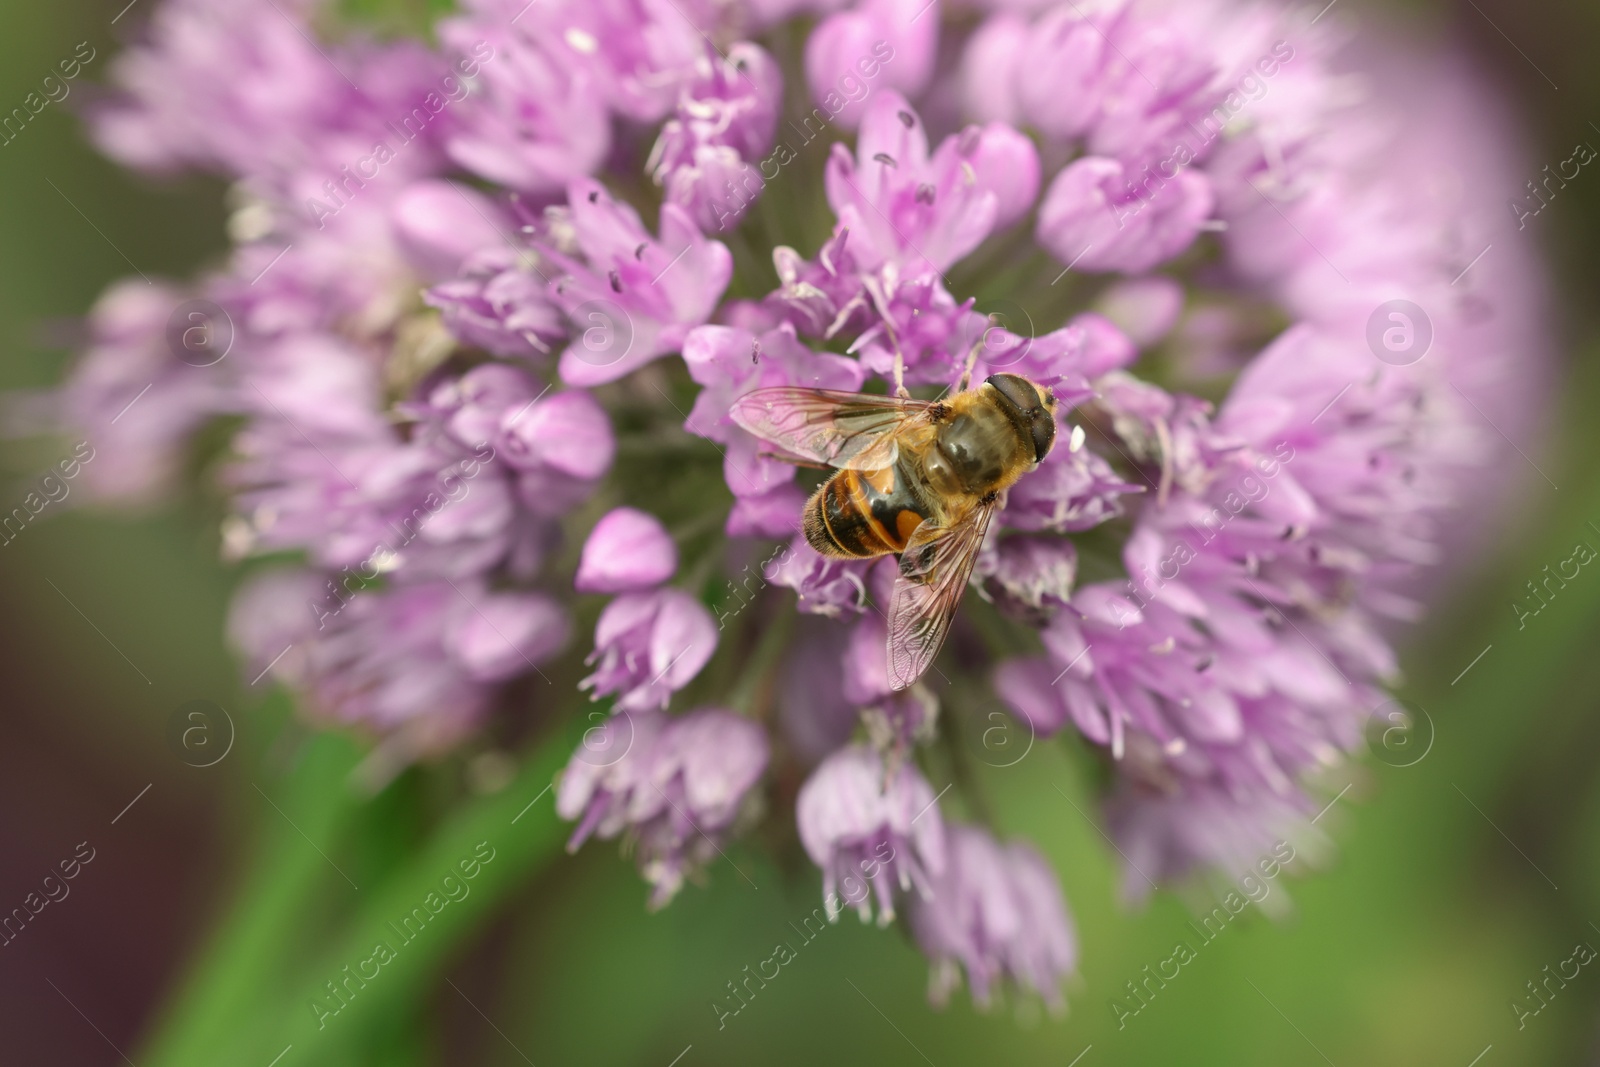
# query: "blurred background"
1457,879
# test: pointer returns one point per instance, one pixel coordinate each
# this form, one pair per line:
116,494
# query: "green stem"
754,679
250,947
519,832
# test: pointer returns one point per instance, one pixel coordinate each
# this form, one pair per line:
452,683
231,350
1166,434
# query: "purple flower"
567,434
507,633
1004,161
826,586
628,550
1095,218
553,447
134,399
416,661
1002,39
472,407
242,89
724,122
1028,686
819,298
553,75
652,292
878,44
866,662
442,226
903,206
500,304
998,914
1172,828
639,51
1057,67
1174,432
320,469
1157,88
1073,489
414,492
1030,577
872,828
649,645
541,121
1133,84
924,324
676,789
1144,309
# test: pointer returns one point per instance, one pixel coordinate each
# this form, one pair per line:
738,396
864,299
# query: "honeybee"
914,477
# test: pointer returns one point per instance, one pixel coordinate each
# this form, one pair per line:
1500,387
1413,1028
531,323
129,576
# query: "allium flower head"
492,302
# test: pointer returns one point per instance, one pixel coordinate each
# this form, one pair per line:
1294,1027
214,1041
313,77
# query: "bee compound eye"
1043,427
1016,390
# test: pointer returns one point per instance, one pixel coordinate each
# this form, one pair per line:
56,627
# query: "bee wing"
852,431
934,570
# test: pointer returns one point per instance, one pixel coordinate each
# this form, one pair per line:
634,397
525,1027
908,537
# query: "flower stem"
350,988
763,660
251,948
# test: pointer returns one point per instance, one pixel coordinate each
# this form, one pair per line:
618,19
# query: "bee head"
1031,408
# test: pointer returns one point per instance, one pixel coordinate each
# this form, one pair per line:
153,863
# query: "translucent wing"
853,431
934,570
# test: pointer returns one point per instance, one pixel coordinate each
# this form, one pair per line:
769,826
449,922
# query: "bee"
916,478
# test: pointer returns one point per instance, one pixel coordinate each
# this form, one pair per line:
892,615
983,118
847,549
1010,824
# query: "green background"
1452,882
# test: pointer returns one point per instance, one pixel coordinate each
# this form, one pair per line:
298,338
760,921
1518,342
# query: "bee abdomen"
853,517
815,526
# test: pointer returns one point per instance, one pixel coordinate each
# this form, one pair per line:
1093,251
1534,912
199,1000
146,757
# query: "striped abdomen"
863,513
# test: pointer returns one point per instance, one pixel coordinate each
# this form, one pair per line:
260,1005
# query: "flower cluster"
676,787
447,343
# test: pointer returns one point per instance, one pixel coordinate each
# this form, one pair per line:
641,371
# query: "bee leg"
972,361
